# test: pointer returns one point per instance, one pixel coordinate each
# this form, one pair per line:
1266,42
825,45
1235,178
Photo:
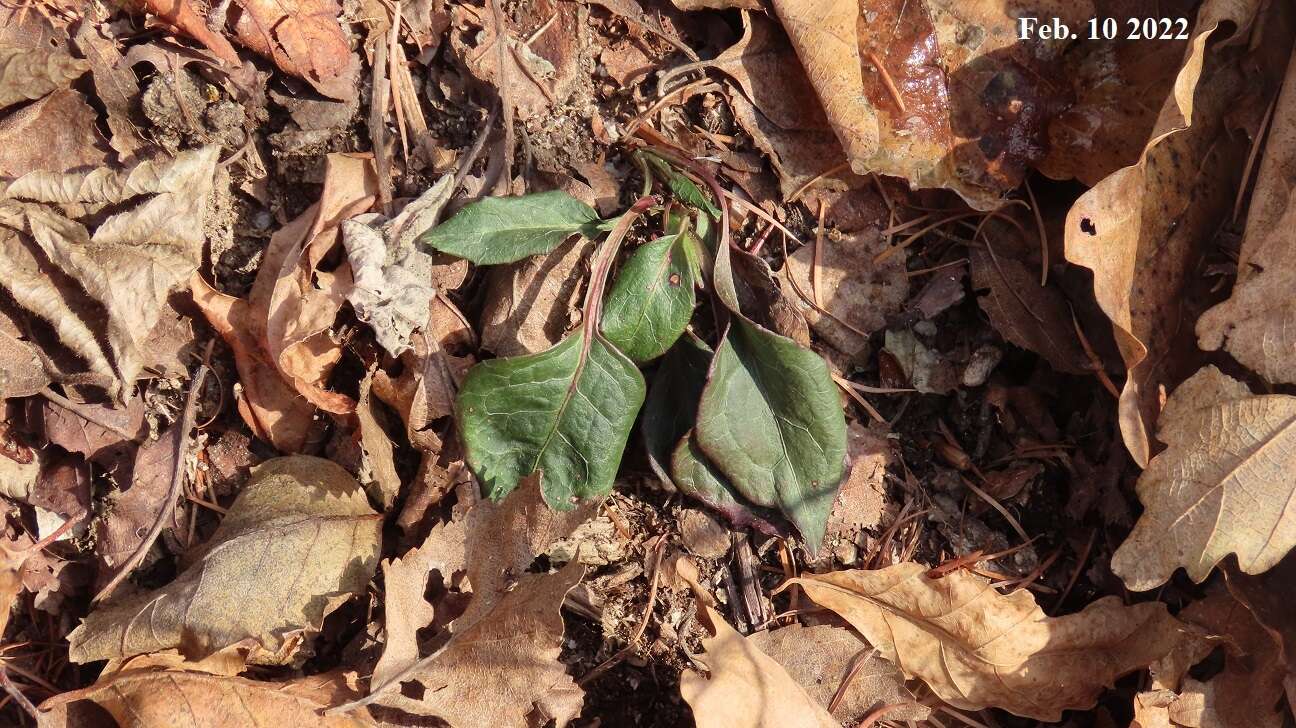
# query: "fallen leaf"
61,273
1034,317
1139,229
378,448
747,688
21,373
858,292
495,670
392,280
1219,488
144,698
976,648
823,657
56,133
529,304
303,38
91,438
130,511
30,73
298,301
267,402
115,86
1254,324
1266,596
404,608
298,541
861,502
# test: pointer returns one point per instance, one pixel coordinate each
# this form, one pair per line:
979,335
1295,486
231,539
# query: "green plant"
757,424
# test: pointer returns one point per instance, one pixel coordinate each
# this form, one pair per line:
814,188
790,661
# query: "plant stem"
603,261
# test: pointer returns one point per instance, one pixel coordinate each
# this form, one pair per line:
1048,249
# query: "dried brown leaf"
747,688
144,698
21,373
1221,487
30,73
404,608
295,301
115,86
57,133
299,539
1140,228
530,303
267,402
1034,317
501,665
822,657
103,294
377,446
90,437
304,38
131,510
976,648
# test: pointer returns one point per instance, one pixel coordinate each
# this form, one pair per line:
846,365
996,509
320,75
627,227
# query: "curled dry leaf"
297,299
303,38
747,688
58,271
144,698
1223,485
267,402
404,608
976,648
821,658
297,542
1139,228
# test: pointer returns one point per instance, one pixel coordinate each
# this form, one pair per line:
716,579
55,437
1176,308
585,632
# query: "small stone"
982,363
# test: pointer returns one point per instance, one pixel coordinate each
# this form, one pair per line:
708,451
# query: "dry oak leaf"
299,540
747,688
1223,485
1140,228
405,611
502,667
1268,596
56,270
823,657
977,648
144,698
1255,324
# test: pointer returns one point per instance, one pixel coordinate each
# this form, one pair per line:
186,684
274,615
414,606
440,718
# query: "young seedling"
757,425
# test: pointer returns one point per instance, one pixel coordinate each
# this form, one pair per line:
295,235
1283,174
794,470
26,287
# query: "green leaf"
566,412
770,418
671,407
683,188
652,300
697,478
507,229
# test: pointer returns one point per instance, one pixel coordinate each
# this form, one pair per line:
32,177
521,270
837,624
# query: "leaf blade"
497,230
566,411
652,300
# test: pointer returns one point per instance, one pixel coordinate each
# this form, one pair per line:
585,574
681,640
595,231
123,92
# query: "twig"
393,49
887,81
816,257
502,85
186,424
85,414
465,164
1251,157
1016,526
796,194
1043,236
1075,575
624,652
856,663
17,695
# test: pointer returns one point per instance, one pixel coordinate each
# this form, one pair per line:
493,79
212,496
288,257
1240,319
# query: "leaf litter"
645,363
